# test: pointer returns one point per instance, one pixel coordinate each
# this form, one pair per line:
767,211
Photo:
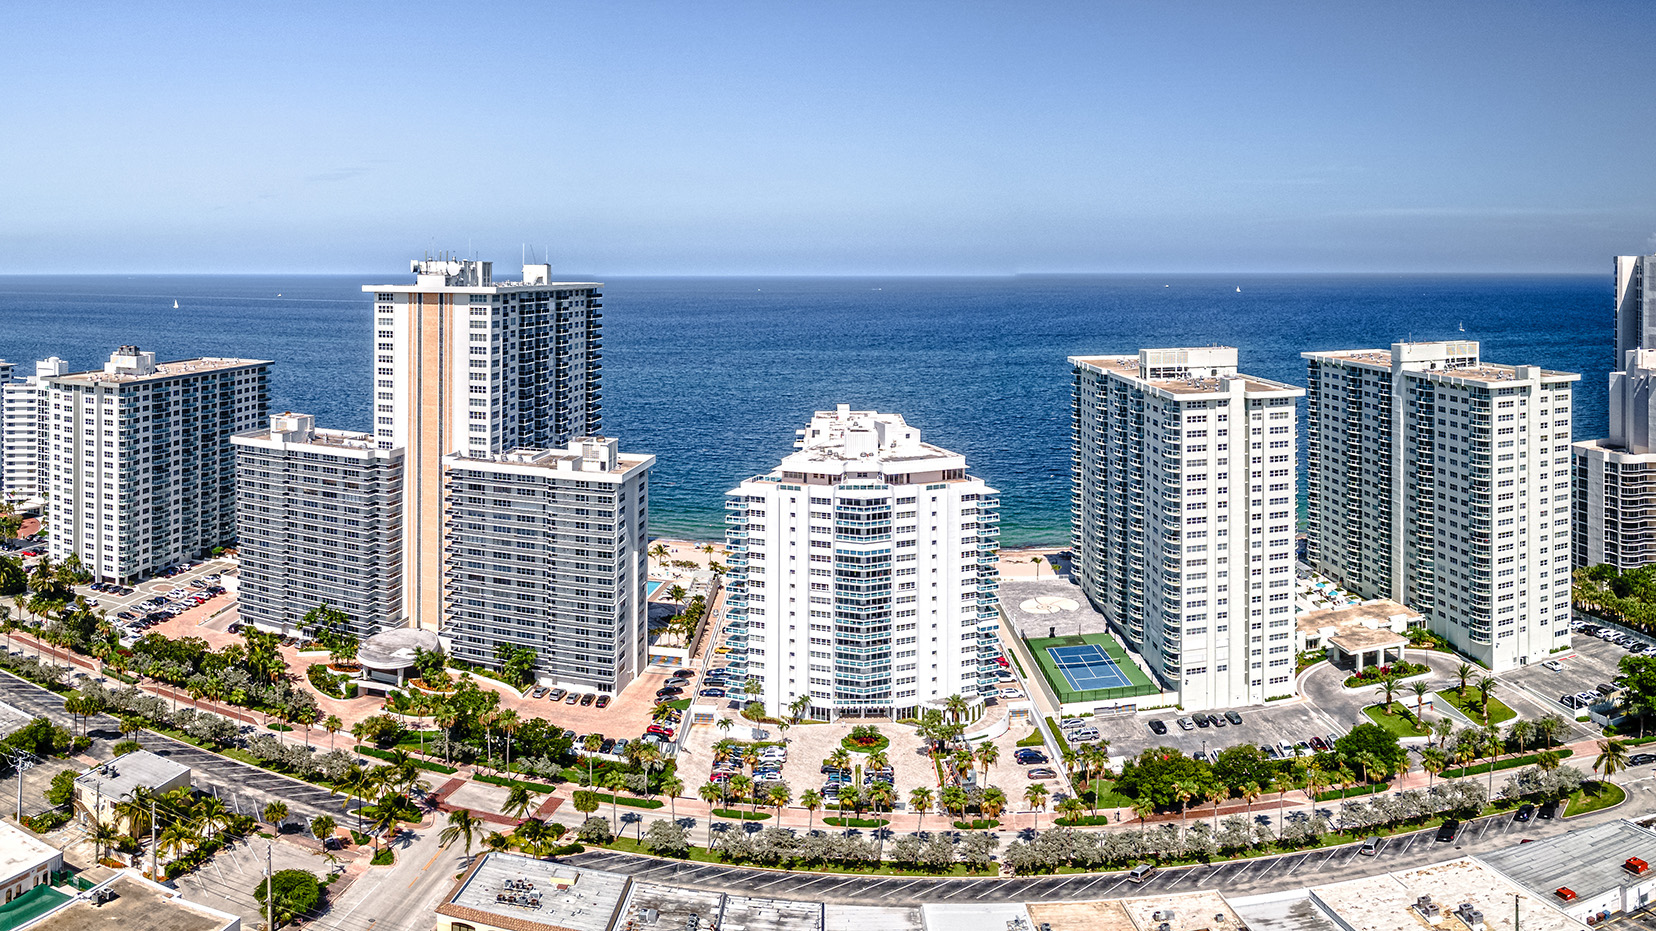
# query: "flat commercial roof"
138,905
1278,911
163,371
1384,902
980,916
117,778
21,852
550,896
1588,861
742,913
871,918
672,905
1101,915
1192,911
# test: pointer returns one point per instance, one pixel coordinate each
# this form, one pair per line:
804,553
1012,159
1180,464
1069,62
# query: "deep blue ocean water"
713,375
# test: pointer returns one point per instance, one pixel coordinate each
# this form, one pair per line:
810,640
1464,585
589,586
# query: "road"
405,896
1234,877
246,788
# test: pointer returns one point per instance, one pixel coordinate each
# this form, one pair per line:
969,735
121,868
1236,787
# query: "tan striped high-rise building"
467,365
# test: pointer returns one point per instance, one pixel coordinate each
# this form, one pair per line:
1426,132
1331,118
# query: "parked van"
1141,872
1370,847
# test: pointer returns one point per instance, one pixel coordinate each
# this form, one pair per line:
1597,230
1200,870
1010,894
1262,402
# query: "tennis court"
1087,666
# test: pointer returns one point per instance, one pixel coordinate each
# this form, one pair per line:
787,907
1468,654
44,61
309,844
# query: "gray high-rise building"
1635,294
547,550
318,520
1442,482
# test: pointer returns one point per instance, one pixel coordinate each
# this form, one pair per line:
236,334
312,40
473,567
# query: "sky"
769,138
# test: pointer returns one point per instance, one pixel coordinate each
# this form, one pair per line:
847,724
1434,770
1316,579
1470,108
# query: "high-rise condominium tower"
1443,482
22,427
1182,517
141,472
547,551
1614,484
1635,295
863,570
318,520
465,364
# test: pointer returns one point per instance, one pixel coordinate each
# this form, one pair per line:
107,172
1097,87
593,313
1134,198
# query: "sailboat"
1463,328
1238,289
175,303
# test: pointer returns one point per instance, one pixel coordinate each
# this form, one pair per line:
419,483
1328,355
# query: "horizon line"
574,276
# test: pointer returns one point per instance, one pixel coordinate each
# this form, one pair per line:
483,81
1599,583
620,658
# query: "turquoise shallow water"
713,375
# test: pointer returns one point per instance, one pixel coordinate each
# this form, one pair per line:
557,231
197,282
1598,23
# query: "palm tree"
839,759
659,551
332,724
812,800
1035,795
1143,808
1433,760
322,827
993,802
1485,686
987,755
671,787
1612,758
175,838
1463,672
1419,690
724,725
1071,809
1387,689
518,802
462,825
385,822
1548,760
710,792
592,744
104,836
1443,729
1250,792
1037,561
615,782
778,795
275,813
212,814
920,800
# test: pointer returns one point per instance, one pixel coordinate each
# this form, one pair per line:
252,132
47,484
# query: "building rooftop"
588,455
129,365
867,438
977,916
1385,901
744,913
1587,861
1378,613
1447,359
671,906
445,272
1210,370
1189,911
871,918
1278,911
138,905
1101,915
21,851
394,649
140,768
521,893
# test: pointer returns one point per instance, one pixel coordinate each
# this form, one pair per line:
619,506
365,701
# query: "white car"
1010,693
1554,665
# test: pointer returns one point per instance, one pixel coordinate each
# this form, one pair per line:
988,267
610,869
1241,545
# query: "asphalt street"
1234,877
246,788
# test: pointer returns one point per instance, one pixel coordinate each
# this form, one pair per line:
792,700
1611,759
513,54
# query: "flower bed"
1402,669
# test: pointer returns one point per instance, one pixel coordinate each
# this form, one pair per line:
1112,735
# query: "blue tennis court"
1087,666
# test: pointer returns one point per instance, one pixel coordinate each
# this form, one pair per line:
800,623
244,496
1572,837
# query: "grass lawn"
1472,706
1397,719
1108,797
1593,796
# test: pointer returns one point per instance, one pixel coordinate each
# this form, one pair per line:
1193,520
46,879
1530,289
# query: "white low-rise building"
101,788
863,571
26,861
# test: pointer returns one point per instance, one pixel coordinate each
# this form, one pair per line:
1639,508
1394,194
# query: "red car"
1001,661
666,732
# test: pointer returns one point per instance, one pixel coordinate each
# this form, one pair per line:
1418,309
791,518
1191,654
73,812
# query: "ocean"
714,375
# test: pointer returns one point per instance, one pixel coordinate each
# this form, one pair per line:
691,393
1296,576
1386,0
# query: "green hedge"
1058,736
1483,768
741,815
1033,740
979,824
628,800
388,756
503,781
1353,791
1088,820
856,822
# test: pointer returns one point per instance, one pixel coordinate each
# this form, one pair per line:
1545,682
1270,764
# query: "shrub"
62,790
127,746
383,857
595,831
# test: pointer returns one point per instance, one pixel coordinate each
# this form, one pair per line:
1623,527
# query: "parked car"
1187,723
539,692
558,694
1040,772
1546,812
1642,759
1524,812
669,691
603,701
1446,833
1028,756
1216,720
1158,727
1010,693
1202,721
712,693
587,699
1554,665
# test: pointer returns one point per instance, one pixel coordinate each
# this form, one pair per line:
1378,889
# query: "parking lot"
1591,662
187,583
1270,725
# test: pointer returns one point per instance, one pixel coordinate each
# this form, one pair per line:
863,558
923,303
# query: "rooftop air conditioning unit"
1565,893
1636,866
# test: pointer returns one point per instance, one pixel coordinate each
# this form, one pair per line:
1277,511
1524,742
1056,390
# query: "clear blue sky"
833,138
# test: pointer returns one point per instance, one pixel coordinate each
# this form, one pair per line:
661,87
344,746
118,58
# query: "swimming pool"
651,587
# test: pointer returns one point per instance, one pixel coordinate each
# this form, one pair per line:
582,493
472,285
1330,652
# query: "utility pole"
270,890
155,871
